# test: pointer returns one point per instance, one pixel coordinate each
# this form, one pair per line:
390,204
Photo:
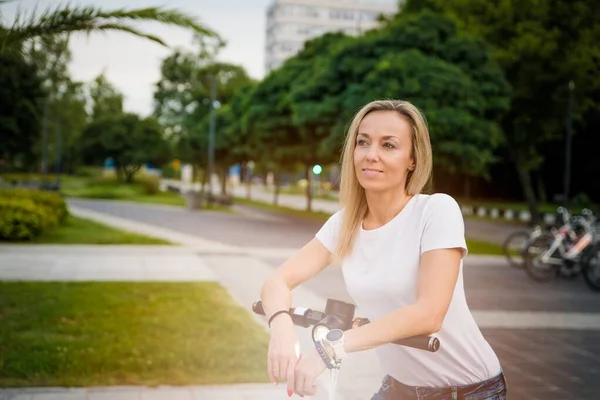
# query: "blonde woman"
401,253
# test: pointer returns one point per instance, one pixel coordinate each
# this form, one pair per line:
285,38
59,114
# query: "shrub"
22,219
55,203
150,184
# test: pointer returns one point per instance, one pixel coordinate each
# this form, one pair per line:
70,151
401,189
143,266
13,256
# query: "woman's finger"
282,369
291,375
307,386
270,367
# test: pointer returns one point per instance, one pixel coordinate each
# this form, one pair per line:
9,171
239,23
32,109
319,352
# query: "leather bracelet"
277,313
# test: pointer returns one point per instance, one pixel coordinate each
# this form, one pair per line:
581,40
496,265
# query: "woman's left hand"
307,370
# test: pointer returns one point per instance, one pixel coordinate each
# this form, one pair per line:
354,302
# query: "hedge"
24,214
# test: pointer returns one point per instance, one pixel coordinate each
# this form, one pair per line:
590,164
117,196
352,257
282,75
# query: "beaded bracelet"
328,361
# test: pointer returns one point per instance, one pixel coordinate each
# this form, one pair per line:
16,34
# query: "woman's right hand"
284,351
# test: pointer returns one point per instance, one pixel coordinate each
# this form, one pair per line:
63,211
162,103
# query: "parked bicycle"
564,250
516,244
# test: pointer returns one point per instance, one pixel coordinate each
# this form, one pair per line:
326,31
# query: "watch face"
334,335
320,332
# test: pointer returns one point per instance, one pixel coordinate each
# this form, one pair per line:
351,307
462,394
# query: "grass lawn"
112,190
116,333
84,231
479,247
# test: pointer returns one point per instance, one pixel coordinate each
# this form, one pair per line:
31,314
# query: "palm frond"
87,19
128,29
169,17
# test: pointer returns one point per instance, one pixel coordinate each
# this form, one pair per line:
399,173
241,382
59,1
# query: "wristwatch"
335,340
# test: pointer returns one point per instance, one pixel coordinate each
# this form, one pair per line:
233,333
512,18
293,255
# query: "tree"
21,41
20,109
64,113
183,105
541,46
106,100
130,141
421,58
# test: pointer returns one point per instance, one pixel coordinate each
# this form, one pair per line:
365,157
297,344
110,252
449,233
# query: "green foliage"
107,101
183,105
21,97
42,40
420,58
541,47
88,19
127,139
25,214
21,219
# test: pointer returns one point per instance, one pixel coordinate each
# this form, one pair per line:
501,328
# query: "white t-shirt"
381,276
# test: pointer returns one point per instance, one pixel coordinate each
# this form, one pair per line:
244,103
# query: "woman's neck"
384,206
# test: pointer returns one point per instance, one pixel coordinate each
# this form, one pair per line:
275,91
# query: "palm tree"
88,19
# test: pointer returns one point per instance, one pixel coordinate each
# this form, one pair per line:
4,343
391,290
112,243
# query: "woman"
401,253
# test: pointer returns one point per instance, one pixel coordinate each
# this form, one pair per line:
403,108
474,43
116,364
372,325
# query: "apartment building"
292,22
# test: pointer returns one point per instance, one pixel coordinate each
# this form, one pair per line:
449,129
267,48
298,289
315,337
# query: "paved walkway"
103,263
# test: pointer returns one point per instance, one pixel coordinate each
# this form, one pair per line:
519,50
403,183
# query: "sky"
133,64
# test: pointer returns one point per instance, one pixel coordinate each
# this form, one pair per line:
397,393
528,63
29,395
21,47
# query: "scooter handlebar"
306,317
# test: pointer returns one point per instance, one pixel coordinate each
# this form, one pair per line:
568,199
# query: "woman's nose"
372,153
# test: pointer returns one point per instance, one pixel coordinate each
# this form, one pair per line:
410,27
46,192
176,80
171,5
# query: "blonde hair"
352,195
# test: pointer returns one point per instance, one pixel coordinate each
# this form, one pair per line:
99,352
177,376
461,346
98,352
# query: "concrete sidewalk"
102,263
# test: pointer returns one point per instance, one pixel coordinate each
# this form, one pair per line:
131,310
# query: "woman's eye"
361,142
389,146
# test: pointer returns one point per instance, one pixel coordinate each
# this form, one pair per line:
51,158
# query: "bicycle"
340,315
562,249
517,242
591,267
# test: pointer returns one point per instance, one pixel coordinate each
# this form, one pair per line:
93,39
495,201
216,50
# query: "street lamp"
569,134
211,134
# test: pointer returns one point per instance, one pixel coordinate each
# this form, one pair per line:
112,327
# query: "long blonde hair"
352,195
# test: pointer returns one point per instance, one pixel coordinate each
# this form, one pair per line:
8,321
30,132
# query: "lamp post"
211,134
569,134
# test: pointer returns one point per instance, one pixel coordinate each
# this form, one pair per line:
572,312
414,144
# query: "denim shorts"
491,389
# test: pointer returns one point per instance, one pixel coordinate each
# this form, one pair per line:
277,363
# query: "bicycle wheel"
514,246
591,268
536,268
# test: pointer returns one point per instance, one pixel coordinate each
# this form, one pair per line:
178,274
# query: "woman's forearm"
275,296
400,324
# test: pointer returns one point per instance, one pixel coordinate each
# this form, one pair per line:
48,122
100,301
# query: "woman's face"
383,151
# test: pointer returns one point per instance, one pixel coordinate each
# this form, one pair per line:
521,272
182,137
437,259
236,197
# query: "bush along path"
37,216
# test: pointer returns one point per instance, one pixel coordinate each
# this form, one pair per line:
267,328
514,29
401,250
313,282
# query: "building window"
369,15
347,15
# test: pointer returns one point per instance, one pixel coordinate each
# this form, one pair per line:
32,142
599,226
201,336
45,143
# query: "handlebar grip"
257,308
421,342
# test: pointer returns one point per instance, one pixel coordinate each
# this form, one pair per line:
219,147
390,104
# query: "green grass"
486,248
108,189
117,333
84,231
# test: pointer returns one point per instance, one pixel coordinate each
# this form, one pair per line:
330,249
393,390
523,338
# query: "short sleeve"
328,234
444,226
